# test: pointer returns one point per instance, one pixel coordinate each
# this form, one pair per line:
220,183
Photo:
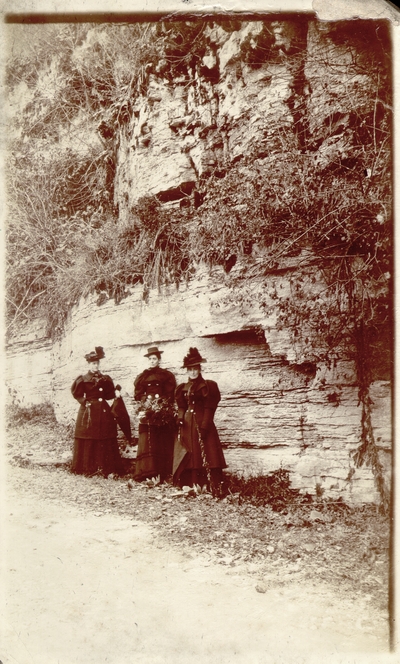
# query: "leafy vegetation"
273,489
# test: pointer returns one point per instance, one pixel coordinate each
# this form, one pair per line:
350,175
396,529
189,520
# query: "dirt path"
84,588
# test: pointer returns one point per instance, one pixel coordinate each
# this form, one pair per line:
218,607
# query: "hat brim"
156,352
193,364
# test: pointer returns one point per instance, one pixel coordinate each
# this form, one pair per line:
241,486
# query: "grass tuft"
17,415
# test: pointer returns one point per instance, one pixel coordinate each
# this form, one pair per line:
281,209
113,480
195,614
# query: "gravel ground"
327,543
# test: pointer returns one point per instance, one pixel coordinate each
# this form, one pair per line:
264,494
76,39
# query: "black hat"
192,358
95,355
153,350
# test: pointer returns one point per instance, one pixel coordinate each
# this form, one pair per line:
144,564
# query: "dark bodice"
95,419
199,392
155,382
93,386
200,397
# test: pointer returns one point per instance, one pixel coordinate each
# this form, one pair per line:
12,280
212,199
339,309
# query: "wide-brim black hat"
192,358
95,355
153,350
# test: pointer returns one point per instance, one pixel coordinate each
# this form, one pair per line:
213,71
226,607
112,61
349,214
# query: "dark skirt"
192,476
93,457
188,459
155,452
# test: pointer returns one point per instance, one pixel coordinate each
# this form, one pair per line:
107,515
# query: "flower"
157,411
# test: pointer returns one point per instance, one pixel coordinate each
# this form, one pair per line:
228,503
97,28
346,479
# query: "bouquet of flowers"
157,411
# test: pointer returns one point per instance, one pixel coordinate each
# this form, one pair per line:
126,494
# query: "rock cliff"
274,412
277,408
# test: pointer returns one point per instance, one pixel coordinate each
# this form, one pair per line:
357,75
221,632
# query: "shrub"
272,489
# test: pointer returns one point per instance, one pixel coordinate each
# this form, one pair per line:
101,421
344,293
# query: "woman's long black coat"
95,447
197,402
156,443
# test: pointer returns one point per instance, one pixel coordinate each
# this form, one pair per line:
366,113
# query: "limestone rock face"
216,113
29,367
274,411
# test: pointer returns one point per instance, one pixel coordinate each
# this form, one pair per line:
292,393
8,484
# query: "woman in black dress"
95,447
154,389
198,455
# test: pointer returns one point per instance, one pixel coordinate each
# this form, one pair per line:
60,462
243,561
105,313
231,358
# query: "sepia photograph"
199,332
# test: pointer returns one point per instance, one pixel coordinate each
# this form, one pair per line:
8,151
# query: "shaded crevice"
248,337
176,193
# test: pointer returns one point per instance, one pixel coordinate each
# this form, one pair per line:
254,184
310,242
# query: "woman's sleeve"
138,388
108,387
170,385
78,390
181,401
212,399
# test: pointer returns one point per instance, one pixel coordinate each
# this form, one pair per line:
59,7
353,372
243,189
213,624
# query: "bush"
272,489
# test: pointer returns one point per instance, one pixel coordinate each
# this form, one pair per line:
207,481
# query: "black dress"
197,402
95,446
154,389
